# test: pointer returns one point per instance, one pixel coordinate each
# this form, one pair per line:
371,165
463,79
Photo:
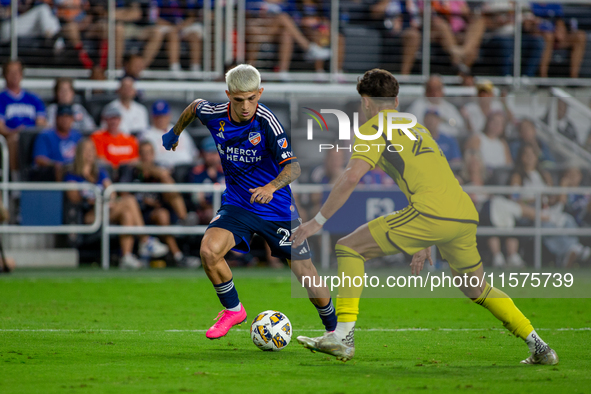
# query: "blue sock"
328,315
227,294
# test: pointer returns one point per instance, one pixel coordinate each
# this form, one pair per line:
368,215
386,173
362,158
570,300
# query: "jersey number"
286,234
418,148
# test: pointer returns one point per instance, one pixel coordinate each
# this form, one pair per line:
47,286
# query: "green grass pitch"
88,331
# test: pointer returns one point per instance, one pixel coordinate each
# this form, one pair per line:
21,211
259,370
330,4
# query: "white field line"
305,330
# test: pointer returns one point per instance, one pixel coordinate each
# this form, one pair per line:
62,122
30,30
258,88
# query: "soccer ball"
271,331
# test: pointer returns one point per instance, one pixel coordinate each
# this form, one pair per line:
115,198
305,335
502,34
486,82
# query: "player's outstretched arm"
264,194
342,189
170,140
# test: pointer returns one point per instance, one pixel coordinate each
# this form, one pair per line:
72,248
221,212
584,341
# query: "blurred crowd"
466,33
484,142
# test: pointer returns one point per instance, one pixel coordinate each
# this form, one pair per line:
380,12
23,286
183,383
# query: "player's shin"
351,265
319,295
504,309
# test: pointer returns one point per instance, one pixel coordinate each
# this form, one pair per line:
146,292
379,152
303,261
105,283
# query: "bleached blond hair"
243,78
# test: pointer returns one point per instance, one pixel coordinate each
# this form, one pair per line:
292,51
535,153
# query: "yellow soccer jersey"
419,168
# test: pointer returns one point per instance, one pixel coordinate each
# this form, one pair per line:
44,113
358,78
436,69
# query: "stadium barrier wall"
61,229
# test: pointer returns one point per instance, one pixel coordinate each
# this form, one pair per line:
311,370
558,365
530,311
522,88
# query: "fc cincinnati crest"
254,138
282,143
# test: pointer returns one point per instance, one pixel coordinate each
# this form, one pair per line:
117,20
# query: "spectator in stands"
19,109
158,208
458,30
564,124
268,21
401,19
123,210
453,123
557,36
476,112
577,205
500,22
491,145
112,145
74,19
185,153
133,66
449,145
528,135
56,147
35,21
176,21
529,173
63,94
134,116
209,172
315,24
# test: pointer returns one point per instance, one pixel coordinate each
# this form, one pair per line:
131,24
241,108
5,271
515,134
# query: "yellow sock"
503,308
351,264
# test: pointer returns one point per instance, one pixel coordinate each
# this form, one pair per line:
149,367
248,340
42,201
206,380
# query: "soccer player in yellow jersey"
439,213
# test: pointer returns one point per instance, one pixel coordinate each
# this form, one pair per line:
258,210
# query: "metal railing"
109,229
536,231
229,16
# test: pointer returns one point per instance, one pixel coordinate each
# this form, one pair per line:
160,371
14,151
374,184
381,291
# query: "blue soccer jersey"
253,153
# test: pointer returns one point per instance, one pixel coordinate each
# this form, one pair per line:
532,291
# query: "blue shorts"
243,224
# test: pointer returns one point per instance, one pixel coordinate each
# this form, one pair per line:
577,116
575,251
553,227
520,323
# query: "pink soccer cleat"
227,319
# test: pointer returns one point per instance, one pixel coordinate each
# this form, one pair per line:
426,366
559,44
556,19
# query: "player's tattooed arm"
186,118
264,194
290,173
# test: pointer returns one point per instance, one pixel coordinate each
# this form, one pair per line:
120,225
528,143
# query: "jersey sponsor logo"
282,143
220,135
285,155
254,138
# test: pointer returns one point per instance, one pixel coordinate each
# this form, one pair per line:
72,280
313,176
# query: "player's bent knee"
211,254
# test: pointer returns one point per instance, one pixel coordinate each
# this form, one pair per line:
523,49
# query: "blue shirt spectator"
20,109
57,146
450,147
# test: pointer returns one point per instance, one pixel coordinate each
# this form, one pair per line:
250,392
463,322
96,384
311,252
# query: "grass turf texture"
93,352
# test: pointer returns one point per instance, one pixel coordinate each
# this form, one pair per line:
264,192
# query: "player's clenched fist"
262,195
170,140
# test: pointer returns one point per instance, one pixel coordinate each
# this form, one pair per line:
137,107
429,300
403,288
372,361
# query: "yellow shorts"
409,231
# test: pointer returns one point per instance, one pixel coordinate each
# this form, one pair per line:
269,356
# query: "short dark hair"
378,83
10,62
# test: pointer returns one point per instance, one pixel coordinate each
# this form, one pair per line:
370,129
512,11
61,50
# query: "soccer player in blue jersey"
258,165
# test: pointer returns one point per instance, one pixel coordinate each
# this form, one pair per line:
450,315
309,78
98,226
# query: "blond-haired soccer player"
439,213
258,165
